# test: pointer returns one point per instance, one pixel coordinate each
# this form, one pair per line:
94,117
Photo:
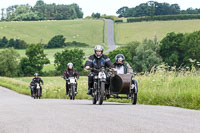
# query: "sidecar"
123,87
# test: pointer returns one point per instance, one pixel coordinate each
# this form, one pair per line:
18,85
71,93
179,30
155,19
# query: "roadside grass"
138,31
160,88
81,30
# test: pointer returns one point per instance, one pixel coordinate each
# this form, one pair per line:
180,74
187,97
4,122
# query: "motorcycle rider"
124,68
97,60
70,72
35,80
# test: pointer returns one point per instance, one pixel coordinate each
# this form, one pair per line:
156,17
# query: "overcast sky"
108,7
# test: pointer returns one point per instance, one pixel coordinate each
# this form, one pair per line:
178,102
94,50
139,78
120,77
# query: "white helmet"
119,57
70,64
36,74
98,48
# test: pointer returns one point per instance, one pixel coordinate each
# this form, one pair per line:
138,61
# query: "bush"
57,41
164,18
9,65
170,49
181,49
76,44
146,56
17,44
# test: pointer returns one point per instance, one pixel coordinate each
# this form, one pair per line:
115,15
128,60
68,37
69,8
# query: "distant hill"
127,32
86,31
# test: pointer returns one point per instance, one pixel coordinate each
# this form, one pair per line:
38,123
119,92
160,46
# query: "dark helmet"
69,64
36,74
98,48
119,57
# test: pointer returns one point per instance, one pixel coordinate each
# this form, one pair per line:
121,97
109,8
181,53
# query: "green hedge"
119,21
164,18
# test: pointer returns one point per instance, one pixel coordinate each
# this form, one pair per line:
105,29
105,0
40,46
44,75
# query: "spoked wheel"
101,95
134,98
73,92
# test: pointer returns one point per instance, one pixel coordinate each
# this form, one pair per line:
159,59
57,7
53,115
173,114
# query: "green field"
50,52
128,32
86,31
162,88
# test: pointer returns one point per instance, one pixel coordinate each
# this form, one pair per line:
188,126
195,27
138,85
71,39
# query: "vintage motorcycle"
36,90
108,84
72,87
98,90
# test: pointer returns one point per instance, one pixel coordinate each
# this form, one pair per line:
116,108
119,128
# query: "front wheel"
134,98
101,95
73,92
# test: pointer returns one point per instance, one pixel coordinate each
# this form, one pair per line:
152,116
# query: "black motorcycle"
98,90
36,91
72,87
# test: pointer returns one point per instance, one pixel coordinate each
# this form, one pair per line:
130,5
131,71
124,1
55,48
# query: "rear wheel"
102,91
134,98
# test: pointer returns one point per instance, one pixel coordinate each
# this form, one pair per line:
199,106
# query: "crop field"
85,31
138,31
160,88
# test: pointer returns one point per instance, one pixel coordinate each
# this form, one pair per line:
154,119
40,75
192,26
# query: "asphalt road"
22,114
110,35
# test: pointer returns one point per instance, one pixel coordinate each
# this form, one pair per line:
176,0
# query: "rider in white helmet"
70,72
124,68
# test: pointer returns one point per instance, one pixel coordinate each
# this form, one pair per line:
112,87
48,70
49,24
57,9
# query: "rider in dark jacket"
70,72
97,60
35,80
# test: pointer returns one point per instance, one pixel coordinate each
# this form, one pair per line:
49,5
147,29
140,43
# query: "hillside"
127,32
86,31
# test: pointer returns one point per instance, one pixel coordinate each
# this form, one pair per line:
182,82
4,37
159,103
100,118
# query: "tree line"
175,50
41,11
11,64
58,41
153,8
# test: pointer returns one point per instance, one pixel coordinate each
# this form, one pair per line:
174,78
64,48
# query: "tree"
40,9
171,49
57,41
34,61
129,51
76,56
96,15
122,11
191,48
146,56
9,65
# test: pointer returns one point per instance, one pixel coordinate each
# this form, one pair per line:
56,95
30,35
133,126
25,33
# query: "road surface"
110,35
22,114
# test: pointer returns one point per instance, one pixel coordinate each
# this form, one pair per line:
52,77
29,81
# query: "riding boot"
89,88
31,93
